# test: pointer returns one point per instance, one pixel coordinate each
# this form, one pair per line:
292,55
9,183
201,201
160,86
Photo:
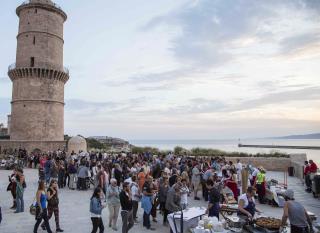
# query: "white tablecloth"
190,218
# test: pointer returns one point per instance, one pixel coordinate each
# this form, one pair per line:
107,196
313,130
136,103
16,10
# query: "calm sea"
232,145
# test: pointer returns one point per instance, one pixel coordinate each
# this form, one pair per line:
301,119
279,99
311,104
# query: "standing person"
83,173
306,174
54,170
214,199
260,182
53,204
239,169
313,168
101,179
96,210
41,212
164,187
126,208
141,178
20,182
61,174
146,202
298,216
155,200
113,201
208,173
196,179
73,175
47,169
254,176
12,188
184,191
173,199
136,197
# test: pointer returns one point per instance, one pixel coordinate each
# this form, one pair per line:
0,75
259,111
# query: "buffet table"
191,218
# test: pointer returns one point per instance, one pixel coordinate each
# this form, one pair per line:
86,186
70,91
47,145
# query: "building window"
36,11
34,40
32,62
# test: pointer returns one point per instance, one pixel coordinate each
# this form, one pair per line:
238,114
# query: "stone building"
38,78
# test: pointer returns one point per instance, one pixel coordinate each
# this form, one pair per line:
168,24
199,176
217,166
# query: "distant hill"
304,136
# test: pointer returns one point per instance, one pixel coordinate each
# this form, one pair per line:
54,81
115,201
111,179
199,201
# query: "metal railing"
41,65
49,3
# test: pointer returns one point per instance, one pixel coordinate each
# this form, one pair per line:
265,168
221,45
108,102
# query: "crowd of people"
124,183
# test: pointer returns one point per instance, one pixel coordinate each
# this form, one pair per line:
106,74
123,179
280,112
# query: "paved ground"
74,208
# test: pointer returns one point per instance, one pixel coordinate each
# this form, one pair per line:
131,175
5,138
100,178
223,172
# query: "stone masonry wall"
31,145
271,164
276,164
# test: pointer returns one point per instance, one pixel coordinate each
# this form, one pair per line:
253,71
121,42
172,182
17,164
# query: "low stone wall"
31,145
275,164
271,164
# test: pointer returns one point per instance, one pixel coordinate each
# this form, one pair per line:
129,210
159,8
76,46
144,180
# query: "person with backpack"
53,205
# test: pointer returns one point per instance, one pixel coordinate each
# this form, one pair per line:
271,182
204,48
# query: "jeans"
127,220
97,223
146,220
47,177
44,217
20,204
135,206
113,214
308,182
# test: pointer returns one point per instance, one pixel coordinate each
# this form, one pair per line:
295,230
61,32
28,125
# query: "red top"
313,168
306,170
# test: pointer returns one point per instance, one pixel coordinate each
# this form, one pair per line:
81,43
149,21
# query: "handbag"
33,207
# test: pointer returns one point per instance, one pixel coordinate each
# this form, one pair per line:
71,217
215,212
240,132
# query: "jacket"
173,201
95,206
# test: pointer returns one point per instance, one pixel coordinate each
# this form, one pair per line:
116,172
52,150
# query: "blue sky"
184,69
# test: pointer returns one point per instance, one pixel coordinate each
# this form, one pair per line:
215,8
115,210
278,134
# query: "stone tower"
38,77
